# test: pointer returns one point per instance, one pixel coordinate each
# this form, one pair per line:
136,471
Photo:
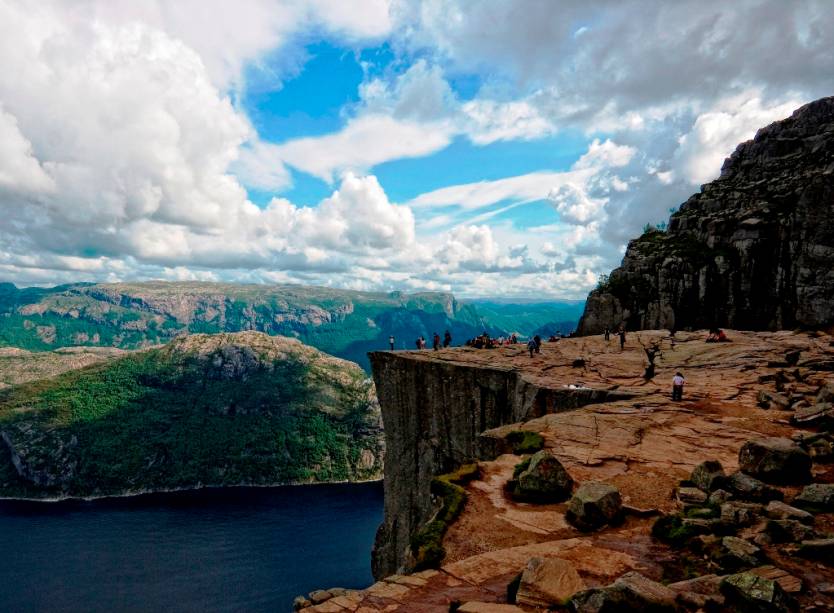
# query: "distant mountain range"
343,323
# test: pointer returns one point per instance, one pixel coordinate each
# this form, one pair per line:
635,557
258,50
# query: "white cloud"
716,133
364,142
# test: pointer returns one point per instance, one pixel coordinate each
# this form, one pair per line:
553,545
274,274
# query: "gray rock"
733,554
826,393
817,498
630,593
691,495
818,414
740,514
544,480
788,531
775,460
594,505
708,475
773,400
719,497
779,510
731,256
749,592
819,549
749,488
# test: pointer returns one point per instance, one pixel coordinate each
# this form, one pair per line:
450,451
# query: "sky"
497,148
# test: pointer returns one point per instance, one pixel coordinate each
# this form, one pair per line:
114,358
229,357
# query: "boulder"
821,413
543,480
779,510
737,515
320,596
733,554
749,488
826,393
821,450
788,531
630,593
719,497
691,495
594,505
773,400
817,498
749,592
300,602
819,549
775,460
708,475
548,582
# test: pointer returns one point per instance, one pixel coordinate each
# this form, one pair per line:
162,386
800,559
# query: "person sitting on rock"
678,382
722,338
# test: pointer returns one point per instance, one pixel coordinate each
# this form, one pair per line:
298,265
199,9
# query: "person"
531,346
538,340
677,386
419,342
447,339
513,338
607,333
622,334
436,341
391,342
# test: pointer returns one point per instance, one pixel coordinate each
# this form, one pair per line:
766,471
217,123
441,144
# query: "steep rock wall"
753,250
434,412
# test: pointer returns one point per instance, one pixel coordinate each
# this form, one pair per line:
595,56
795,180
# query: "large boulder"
819,414
594,505
746,487
733,554
543,480
788,531
779,510
708,475
548,582
820,549
775,460
750,592
817,497
630,593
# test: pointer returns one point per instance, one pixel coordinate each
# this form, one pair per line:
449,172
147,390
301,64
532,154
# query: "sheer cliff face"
434,410
753,250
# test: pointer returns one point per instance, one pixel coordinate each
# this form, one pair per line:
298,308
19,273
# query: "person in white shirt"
677,386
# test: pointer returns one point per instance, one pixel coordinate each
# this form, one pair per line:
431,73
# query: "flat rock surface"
644,446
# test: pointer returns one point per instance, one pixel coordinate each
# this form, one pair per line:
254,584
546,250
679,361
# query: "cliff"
434,407
680,539
753,250
204,410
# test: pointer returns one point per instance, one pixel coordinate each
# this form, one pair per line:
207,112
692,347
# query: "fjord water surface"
234,549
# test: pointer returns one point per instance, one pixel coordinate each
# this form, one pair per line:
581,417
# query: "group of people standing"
421,341
678,381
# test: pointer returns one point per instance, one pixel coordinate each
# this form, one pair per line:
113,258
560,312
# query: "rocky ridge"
753,250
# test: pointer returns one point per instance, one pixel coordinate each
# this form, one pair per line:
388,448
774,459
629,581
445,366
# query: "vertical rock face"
434,412
753,250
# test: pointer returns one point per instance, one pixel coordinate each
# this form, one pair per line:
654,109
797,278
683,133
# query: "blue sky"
503,149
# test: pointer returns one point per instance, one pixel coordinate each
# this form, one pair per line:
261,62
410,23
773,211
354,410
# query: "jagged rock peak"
754,249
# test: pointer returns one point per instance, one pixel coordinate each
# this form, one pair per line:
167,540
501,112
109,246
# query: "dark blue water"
237,549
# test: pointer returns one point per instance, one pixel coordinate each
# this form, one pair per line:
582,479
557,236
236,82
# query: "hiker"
538,340
531,346
436,341
447,339
622,334
607,333
391,342
677,386
419,343
513,338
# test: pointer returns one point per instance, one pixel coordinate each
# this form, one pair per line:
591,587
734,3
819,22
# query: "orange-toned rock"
548,582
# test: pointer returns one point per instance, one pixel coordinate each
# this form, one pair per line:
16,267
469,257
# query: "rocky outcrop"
434,412
753,250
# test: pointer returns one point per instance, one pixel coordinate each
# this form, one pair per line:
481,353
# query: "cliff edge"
754,250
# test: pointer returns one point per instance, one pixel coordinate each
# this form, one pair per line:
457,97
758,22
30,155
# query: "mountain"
753,250
344,323
223,409
531,318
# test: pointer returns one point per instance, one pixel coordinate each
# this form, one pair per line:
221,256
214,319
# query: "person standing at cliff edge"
391,342
447,339
621,334
436,341
678,382
607,334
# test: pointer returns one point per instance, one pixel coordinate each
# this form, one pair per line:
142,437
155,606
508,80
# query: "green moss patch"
427,544
525,441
